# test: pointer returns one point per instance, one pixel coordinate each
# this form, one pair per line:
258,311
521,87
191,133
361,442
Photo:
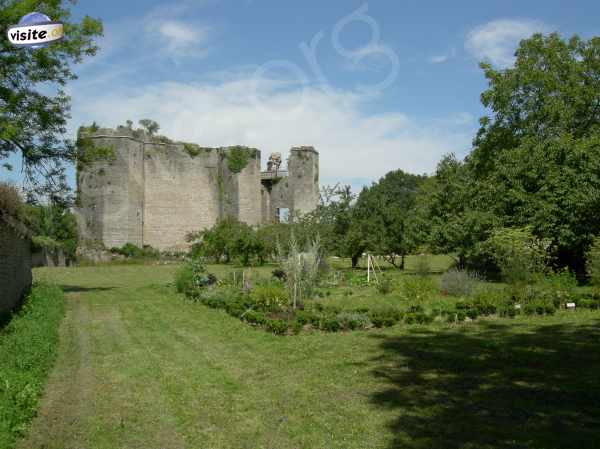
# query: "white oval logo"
35,30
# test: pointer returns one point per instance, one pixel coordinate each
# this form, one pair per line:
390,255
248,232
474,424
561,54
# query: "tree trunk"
402,262
355,258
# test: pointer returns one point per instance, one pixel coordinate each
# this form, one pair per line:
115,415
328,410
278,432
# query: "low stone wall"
15,263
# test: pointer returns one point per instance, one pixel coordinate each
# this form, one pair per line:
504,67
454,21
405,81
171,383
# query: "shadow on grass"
494,386
80,289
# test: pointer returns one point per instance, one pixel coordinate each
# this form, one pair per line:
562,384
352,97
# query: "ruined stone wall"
303,169
15,264
111,191
155,192
181,194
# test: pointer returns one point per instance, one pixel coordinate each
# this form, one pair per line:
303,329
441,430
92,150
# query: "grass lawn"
140,367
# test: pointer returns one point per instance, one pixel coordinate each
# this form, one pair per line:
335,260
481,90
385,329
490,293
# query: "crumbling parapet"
148,190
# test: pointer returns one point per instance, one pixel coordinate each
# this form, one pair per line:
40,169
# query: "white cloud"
496,41
177,38
352,144
440,59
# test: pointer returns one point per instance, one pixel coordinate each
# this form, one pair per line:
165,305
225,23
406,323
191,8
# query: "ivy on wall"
238,158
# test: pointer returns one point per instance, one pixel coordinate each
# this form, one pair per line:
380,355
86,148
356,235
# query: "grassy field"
141,367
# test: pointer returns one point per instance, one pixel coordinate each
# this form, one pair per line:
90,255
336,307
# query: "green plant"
353,320
384,286
301,270
331,324
255,317
519,254
10,201
238,157
418,288
457,282
269,296
28,347
592,263
384,316
276,326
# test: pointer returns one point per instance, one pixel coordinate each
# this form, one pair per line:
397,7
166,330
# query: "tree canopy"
33,121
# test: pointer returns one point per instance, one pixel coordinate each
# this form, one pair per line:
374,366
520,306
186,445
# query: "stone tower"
303,174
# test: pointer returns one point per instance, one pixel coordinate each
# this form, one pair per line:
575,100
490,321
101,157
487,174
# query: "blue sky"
373,86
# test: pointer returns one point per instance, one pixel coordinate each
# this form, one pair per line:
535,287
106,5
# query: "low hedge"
28,346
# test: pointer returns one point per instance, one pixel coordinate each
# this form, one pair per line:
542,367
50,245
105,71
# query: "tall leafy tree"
33,121
536,158
381,214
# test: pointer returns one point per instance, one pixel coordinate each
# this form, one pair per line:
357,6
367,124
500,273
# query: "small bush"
418,288
278,327
191,278
384,317
269,297
384,286
458,283
255,317
331,325
353,320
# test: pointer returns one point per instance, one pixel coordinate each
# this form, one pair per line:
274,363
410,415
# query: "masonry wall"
155,192
303,169
181,194
111,192
15,264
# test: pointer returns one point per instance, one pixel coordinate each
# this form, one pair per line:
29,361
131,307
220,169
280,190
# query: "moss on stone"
238,158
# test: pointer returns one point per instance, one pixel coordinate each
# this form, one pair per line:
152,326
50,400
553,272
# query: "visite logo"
35,30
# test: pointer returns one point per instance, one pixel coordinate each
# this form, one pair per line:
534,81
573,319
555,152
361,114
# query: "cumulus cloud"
273,115
496,41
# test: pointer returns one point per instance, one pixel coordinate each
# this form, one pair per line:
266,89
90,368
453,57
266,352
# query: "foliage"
28,347
228,239
456,282
380,216
269,296
384,286
417,289
10,201
238,158
53,226
593,262
519,254
35,107
301,271
149,125
133,251
354,320
423,265
191,278
277,326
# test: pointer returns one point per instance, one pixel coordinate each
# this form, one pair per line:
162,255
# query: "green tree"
149,125
53,225
536,159
32,122
226,240
381,214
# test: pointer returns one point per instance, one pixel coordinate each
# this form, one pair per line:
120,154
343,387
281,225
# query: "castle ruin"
136,188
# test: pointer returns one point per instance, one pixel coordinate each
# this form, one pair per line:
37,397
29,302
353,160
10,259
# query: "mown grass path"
139,367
